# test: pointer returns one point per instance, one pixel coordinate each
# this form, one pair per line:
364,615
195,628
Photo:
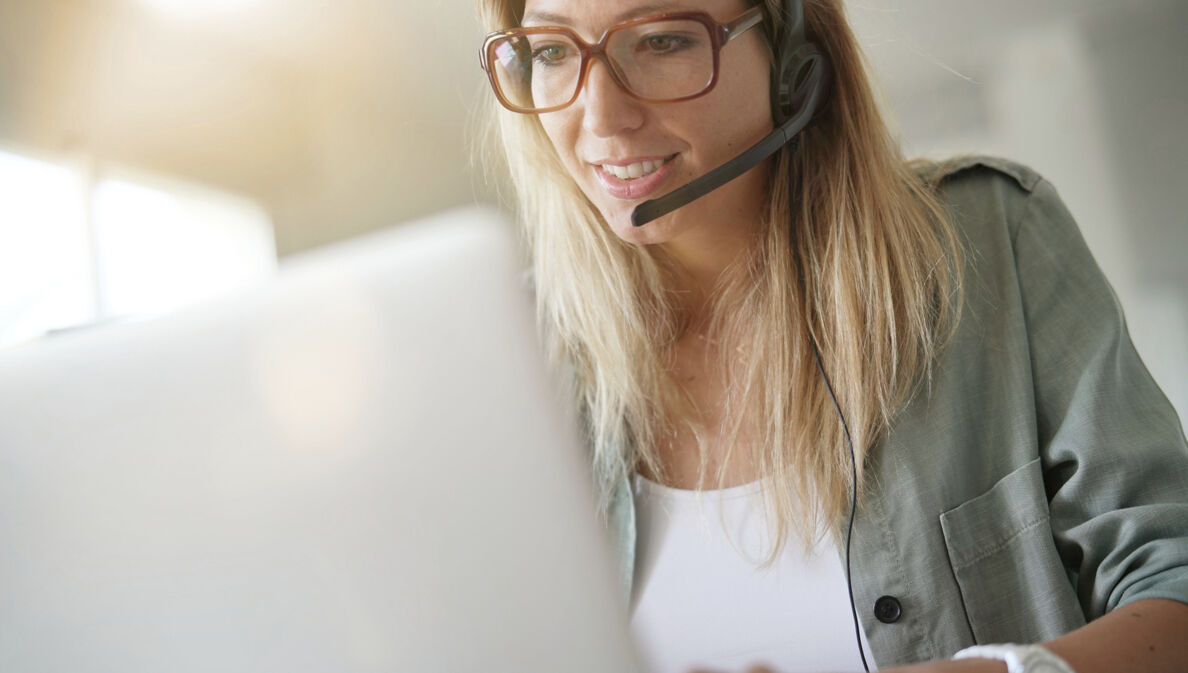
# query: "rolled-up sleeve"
1115,460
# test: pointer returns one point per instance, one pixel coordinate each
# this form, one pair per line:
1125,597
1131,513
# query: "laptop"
361,466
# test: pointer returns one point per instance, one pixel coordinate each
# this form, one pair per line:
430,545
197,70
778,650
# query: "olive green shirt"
1041,479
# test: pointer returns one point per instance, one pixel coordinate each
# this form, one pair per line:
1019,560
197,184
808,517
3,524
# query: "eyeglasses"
658,59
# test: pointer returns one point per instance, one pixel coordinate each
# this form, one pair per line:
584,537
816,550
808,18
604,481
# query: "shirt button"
888,610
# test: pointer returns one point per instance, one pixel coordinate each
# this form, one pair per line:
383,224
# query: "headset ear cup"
812,72
795,81
790,60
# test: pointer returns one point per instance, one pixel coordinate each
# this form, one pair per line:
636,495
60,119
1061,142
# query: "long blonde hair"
856,253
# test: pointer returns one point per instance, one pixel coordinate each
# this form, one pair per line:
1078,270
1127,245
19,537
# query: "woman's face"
669,143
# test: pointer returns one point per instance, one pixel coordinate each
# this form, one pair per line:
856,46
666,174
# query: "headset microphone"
799,83
782,135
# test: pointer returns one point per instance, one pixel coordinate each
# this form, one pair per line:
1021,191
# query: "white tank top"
699,600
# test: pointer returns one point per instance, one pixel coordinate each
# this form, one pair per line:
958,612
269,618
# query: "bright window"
161,246
75,251
45,274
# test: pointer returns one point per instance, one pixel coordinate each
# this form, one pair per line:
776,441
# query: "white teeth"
635,170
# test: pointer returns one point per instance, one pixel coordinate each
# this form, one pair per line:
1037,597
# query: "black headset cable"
853,499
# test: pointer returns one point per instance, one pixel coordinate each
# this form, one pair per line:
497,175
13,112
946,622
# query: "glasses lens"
663,60
536,70
657,61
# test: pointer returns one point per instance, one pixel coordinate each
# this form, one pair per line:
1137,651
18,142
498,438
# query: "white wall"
1097,102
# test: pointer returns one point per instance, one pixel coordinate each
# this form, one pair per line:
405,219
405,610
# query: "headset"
799,83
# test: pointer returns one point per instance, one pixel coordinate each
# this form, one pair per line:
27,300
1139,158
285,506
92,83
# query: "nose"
607,109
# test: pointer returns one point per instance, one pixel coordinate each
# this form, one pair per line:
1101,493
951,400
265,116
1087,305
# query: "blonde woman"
844,411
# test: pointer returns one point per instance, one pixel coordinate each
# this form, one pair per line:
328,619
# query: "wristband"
1019,658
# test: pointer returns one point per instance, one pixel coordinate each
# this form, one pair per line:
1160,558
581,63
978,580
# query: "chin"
617,216
619,221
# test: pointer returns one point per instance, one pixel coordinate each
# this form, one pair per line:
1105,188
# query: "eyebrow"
552,19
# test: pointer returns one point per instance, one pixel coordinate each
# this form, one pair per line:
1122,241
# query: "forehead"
594,17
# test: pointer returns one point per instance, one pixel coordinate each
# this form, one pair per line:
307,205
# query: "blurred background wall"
325,119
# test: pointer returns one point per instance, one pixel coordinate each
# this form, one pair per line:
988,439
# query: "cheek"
743,93
561,138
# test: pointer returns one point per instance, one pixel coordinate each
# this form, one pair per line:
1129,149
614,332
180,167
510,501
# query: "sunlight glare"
44,261
195,9
159,249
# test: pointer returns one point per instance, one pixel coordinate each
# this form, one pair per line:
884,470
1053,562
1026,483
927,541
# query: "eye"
550,54
663,43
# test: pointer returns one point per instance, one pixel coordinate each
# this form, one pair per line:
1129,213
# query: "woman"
917,370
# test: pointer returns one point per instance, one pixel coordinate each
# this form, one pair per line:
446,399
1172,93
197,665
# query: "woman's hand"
948,666
1148,635
943,666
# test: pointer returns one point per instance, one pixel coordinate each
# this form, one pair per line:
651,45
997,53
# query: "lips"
633,170
617,178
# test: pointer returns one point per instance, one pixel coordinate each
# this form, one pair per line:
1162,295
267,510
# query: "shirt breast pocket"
1012,581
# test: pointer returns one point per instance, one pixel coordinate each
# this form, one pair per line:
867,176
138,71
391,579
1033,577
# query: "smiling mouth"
635,180
636,170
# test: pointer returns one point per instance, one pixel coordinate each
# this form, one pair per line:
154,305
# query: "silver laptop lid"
359,467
